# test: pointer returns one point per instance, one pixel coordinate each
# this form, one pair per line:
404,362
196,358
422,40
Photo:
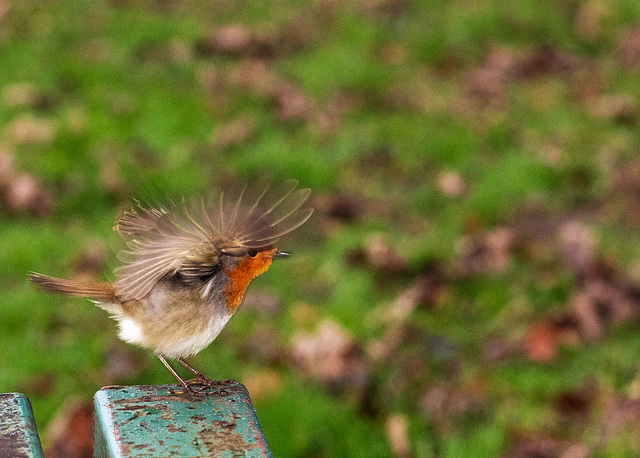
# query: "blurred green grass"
131,102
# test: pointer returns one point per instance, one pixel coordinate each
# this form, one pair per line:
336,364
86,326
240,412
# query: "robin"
186,270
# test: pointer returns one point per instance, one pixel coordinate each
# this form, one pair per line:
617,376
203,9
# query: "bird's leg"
184,384
200,377
195,372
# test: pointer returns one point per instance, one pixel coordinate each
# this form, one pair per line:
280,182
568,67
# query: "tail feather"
92,290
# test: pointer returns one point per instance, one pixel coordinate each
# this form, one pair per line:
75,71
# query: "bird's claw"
189,389
199,386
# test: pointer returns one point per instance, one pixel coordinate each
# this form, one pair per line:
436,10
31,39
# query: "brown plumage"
187,267
101,291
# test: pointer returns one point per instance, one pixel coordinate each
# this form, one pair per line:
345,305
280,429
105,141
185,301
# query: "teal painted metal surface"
18,433
160,420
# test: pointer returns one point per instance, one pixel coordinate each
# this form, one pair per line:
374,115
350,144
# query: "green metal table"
18,433
161,420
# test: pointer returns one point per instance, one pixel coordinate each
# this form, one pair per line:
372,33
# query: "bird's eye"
252,253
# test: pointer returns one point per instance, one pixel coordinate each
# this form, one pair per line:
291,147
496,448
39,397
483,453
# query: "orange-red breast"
187,268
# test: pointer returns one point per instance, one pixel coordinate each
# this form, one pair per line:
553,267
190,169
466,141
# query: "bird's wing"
159,242
163,241
267,216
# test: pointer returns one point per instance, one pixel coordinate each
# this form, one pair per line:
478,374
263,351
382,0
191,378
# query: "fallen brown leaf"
40,385
541,341
398,434
620,413
629,47
590,19
292,104
234,133
382,256
7,169
490,252
601,305
498,350
71,431
233,39
255,76
622,108
545,447
488,83
576,404
24,95
345,208
451,184
626,184
447,406
23,193
544,60
543,338
30,130
577,247
331,356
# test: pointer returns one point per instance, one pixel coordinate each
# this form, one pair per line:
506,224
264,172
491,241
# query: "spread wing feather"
162,241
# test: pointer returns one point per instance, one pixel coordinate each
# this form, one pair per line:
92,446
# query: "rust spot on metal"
222,436
18,433
174,429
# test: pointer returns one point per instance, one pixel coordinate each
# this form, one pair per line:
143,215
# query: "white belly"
172,347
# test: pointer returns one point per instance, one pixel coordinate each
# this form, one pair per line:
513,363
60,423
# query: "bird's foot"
201,381
191,388
199,386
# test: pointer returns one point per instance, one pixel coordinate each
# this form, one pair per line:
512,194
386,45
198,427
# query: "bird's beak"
280,254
